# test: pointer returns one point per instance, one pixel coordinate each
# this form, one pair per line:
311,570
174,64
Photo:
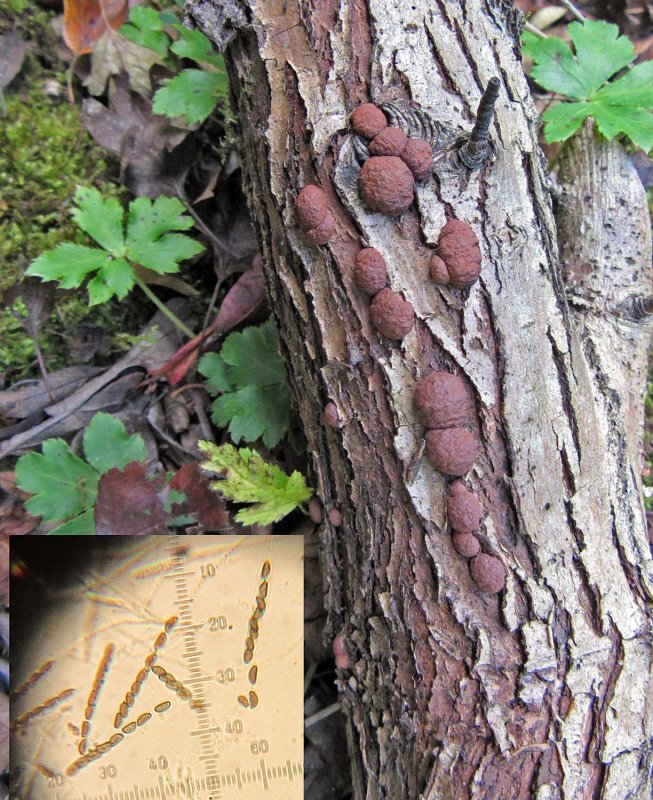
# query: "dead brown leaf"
12,54
85,21
114,53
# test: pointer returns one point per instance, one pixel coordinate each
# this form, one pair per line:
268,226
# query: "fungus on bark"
370,270
390,142
463,509
466,544
368,120
335,518
452,451
321,233
438,271
442,401
418,157
488,573
392,316
313,215
458,248
330,416
386,185
315,510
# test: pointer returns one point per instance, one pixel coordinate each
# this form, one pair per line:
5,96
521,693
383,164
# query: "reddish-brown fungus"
311,207
368,120
386,185
466,544
330,416
458,248
488,573
451,451
418,157
463,508
392,316
390,142
370,270
335,518
442,401
322,232
438,271
315,510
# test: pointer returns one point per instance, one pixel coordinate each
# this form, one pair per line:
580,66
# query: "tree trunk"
543,690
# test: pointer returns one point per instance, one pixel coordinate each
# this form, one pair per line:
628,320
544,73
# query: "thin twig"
320,715
573,10
535,31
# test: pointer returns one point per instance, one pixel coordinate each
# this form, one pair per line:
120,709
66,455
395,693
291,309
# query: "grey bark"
544,691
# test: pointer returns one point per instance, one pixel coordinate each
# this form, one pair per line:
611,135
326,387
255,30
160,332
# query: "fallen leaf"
12,54
204,504
245,300
38,298
129,503
30,397
114,53
85,21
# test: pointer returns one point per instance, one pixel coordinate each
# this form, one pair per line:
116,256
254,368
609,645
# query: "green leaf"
194,44
101,218
146,29
62,484
215,371
83,525
247,478
115,277
563,120
254,412
107,445
623,106
252,376
147,241
253,356
192,95
68,263
600,51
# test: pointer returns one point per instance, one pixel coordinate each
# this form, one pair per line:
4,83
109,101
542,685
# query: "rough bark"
542,691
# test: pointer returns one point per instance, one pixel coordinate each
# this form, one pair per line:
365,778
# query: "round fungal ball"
458,248
311,207
370,270
322,232
390,142
488,573
438,271
368,120
451,451
392,316
386,185
466,544
418,157
330,416
441,401
463,509
315,510
335,517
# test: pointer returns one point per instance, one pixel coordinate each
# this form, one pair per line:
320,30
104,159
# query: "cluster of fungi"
387,185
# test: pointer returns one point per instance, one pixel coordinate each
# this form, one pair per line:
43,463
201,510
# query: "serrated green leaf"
563,120
147,241
254,412
62,484
146,28
623,106
600,51
636,124
114,278
83,525
107,445
194,44
68,263
252,376
101,218
253,356
215,371
164,255
191,95
247,478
